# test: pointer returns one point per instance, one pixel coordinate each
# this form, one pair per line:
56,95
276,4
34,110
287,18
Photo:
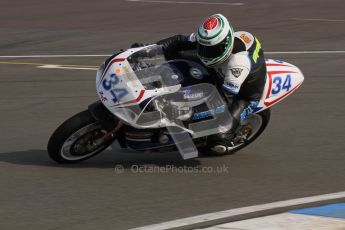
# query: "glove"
249,110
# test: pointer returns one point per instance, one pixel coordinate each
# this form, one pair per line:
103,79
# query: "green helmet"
215,40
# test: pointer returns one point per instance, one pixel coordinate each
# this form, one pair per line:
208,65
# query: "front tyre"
75,139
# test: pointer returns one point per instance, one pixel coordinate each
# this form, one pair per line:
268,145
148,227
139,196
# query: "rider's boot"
221,142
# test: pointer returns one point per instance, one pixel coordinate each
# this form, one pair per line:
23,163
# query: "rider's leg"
240,106
219,142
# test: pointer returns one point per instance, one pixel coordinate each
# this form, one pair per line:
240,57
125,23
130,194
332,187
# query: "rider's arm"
236,72
175,44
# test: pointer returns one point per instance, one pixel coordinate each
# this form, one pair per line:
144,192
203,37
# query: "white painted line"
239,211
318,19
107,55
64,67
307,52
56,56
284,221
189,2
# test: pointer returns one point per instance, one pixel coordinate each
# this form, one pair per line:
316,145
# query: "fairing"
146,91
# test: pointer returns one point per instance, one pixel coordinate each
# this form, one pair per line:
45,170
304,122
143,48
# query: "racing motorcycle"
149,103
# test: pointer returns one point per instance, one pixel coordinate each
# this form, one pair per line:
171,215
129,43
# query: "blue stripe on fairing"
330,210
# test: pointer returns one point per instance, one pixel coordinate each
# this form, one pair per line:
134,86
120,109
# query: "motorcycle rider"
237,58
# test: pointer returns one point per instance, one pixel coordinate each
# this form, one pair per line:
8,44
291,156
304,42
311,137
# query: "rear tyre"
74,140
257,122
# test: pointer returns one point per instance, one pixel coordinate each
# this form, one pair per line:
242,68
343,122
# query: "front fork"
110,123
109,135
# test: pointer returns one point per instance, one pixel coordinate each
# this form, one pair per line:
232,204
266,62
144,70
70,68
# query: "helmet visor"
215,51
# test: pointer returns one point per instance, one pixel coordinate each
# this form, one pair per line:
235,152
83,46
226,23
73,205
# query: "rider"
238,60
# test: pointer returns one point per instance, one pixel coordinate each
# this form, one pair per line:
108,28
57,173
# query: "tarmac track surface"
301,153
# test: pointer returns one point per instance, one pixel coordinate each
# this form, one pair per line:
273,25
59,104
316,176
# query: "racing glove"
249,109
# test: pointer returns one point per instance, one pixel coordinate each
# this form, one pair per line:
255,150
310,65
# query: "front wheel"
75,139
252,129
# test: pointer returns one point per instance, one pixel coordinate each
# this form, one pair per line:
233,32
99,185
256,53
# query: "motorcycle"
149,103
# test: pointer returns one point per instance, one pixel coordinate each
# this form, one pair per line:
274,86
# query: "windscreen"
152,69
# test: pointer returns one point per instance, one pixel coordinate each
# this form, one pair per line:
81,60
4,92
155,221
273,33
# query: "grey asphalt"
302,152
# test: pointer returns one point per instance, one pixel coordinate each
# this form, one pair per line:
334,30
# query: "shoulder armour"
246,37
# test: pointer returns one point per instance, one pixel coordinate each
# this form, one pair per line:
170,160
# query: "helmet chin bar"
216,61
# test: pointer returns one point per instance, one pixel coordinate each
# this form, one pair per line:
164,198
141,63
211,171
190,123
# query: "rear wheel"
246,134
77,139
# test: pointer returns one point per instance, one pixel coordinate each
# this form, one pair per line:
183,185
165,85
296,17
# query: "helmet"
215,39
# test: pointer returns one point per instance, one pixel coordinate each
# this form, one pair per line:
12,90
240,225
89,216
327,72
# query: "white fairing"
120,85
126,81
134,81
282,79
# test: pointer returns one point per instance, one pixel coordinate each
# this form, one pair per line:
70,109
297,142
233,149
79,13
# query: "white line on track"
318,19
56,56
107,55
307,52
240,211
64,67
189,2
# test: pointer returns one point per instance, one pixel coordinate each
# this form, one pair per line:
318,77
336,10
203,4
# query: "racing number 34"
279,85
117,93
